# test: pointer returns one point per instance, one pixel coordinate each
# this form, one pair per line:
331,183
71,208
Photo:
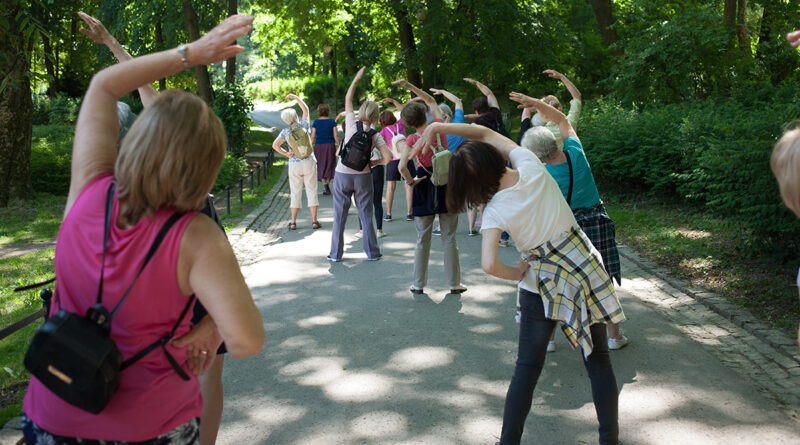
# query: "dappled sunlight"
460,399
327,319
404,247
497,388
358,387
485,313
487,328
693,234
315,371
292,270
419,358
472,426
379,425
699,263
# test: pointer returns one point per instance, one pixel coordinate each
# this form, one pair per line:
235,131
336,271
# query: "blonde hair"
369,112
170,156
785,163
552,101
289,116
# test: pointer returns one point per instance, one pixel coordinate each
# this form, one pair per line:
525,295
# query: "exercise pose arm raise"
486,92
547,112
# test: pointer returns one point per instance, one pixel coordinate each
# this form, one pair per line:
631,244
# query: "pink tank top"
152,399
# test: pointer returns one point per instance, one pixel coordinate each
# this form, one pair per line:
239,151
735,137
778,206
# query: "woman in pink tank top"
177,145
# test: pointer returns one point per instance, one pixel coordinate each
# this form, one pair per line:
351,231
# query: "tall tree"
230,64
16,108
407,44
604,14
204,89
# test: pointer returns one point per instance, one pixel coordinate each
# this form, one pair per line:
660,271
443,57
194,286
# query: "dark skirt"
326,160
428,199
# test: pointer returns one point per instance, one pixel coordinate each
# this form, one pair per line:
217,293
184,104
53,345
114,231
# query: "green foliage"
315,89
232,105
233,167
713,153
51,156
32,221
60,110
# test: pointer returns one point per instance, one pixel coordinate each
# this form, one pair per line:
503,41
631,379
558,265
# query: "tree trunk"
730,13
49,58
162,83
407,44
204,89
16,110
230,64
741,27
604,14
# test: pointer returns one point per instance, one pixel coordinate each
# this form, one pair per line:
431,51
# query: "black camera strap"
569,192
162,233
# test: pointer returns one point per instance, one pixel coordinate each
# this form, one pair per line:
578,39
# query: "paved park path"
351,357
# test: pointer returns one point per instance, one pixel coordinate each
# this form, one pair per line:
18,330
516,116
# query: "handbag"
440,164
75,357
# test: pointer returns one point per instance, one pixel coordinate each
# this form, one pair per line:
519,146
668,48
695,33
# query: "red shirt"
425,157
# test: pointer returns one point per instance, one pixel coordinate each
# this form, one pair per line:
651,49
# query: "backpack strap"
569,191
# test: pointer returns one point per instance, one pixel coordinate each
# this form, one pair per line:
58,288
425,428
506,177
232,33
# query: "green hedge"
51,155
315,89
714,153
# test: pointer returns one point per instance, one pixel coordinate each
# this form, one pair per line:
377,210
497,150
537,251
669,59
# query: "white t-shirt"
350,128
532,211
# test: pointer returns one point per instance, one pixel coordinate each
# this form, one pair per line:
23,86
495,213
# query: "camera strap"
569,192
162,233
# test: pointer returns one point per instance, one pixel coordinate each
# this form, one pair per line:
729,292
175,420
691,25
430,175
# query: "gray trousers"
448,224
346,186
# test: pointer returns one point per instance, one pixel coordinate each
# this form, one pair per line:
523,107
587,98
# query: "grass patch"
14,272
708,252
32,221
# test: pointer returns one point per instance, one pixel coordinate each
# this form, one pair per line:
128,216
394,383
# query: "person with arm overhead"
428,199
571,170
392,127
178,144
487,109
351,181
525,201
302,163
575,106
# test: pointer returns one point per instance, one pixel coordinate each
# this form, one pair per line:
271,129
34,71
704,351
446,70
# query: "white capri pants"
300,173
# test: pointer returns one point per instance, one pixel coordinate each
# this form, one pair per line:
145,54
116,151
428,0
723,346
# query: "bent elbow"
249,346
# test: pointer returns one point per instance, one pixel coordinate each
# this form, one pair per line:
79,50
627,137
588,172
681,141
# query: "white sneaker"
617,343
518,316
358,235
551,346
380,234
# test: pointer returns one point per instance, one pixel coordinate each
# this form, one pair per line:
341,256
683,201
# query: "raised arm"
486,92
433,107
303,106
573,90
472,132
348,98
449,96
547,113
99,34
394,102
95,144
794,38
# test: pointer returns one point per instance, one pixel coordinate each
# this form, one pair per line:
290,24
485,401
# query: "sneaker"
518,316
617,343
458,290
551,346
333,260
473,232
437,232
503,243
409,217
387,217
414,290
380,234
326,190
376,258
358,234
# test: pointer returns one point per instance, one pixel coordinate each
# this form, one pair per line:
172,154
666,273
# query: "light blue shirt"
285,135
454,141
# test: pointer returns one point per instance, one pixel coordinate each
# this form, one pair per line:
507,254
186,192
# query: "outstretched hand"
546,111
95,31
794,38
360,73
553,73
428,136
292,96
216,46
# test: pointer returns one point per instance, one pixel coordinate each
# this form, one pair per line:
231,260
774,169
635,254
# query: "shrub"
232,105
233,168
63,110
51,156
714,153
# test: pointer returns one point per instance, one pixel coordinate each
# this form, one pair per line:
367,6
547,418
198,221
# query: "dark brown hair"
387,118
414,114
474,176
480,105
323,110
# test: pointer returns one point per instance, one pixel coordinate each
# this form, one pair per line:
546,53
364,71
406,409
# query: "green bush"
232,105
233,168
63,110
713,153
51,156
315,89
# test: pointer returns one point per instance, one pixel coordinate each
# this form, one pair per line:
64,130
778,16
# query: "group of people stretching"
542,196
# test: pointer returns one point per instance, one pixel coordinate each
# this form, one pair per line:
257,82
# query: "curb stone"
11,433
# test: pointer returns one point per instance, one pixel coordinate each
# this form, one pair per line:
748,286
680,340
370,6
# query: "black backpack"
358,149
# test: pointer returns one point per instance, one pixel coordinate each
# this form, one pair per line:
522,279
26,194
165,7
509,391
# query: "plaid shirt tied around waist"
574,286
